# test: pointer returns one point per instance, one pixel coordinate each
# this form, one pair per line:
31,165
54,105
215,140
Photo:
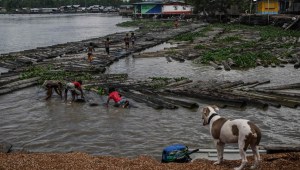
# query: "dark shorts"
107,49
127,43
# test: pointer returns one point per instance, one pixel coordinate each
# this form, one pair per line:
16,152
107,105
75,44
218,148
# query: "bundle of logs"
240,94
170,94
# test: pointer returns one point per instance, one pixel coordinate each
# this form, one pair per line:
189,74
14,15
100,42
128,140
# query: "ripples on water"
30,122
21,32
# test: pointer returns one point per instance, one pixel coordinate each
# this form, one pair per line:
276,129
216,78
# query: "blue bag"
176,153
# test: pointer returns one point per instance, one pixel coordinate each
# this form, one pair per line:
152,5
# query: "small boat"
229,154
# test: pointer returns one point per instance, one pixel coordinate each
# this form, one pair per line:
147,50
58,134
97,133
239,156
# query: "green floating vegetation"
147,24
48,73
230,39
199,47
190,36
243,60
266,32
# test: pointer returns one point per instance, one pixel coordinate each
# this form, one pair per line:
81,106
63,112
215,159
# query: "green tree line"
199,5
13,4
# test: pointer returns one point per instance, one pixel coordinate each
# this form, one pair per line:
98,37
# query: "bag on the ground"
176,153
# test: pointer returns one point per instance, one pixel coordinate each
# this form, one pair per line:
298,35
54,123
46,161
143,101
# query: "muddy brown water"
29,122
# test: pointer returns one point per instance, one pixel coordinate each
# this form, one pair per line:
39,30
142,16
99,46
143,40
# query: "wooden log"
178,83
215,65
230,62
168,59
258,62
7,80
271,149
284,94
20,82
185,104
231,84
142,100
226,65
297,65
285,102
156,100
273,65
178,59
283,61
260,83
282,87
17,87
205,95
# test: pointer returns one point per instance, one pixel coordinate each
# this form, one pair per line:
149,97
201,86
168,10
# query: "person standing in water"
132,38
106,44
126,40
91,49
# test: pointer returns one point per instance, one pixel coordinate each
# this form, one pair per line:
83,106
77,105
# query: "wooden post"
268,11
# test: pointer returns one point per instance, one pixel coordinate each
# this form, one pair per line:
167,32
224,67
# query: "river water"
29,122
21,32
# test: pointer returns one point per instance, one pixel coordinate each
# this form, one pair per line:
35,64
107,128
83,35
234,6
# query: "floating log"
215,65
260,83
231,84
226,65
17,83
271,149
258,62
178,59
230,62
17,87
285,94
282,87
185,104
207,96
8,80
273,65
285,102
153,99
142,100
168,59
189,105
178,83
297,65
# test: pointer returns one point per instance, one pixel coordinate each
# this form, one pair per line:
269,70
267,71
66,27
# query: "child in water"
119,101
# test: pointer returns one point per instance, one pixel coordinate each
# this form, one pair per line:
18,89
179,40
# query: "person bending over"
51,85
118,99
75,89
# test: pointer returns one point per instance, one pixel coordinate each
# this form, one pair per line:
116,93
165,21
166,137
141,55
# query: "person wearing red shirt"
75,89
119,101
